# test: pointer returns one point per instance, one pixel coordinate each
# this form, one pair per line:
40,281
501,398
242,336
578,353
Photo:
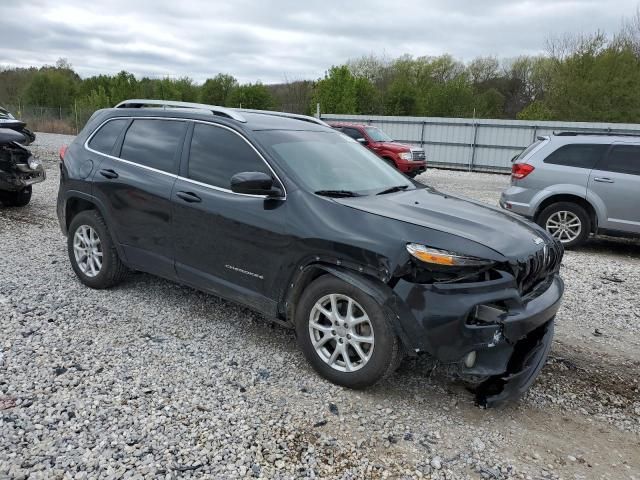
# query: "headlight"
435,256
406,155
33,162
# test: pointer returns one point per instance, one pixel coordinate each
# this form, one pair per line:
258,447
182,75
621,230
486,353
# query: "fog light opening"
470,359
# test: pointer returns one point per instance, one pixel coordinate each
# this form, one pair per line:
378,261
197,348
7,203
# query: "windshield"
378,135
329,161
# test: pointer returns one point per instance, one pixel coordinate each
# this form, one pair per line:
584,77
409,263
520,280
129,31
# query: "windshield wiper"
397,188
336,193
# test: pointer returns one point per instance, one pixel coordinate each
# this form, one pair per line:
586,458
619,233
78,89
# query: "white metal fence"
474,144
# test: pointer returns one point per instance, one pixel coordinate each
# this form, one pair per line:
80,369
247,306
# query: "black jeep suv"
283,214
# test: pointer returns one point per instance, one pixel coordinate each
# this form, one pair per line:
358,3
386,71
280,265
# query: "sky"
273,41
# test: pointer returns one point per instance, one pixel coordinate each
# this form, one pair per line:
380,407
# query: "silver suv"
575,184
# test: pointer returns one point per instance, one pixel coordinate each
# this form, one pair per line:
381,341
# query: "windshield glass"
378,135
328,161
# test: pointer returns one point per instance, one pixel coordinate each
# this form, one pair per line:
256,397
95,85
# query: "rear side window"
622,159
105,138
353,133
577,155
153,143
217,154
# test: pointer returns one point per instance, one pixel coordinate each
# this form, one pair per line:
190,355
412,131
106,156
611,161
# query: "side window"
217,154
622,159
105,138
353,133
153,143
577,155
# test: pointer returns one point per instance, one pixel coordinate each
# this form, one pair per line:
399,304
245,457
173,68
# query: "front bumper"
17,180
492,319
410,166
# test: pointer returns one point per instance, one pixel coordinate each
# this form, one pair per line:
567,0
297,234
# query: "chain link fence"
69,120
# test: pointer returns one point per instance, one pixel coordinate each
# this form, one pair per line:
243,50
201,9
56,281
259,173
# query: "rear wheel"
344,334
568,222
17,199
92,252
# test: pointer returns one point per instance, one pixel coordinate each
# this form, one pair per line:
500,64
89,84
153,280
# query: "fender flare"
71,194
379,291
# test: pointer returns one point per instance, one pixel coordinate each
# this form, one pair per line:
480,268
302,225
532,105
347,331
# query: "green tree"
336,92
217,90
251,95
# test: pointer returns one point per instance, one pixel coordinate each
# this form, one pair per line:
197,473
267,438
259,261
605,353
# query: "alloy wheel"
564,225
87,250
341,332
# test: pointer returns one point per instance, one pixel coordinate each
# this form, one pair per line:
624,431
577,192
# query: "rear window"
528,150
153,143
622,159
105,138
577,155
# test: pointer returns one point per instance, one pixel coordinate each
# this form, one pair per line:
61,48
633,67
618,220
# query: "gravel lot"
155,380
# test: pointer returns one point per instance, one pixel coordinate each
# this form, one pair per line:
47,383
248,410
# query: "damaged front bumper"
488,330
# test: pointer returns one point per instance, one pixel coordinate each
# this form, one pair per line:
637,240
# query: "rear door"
134,186
228,243
614,185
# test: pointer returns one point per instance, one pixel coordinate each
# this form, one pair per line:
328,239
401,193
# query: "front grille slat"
537,267
418,155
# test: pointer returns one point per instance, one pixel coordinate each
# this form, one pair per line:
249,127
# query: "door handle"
189,197
603,180
110,174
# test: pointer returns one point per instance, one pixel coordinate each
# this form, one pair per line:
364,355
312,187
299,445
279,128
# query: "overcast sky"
271,40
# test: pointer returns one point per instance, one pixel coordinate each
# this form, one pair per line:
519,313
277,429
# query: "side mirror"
362,141
254,183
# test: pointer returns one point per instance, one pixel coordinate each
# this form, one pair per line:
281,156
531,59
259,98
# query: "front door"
227,243
615,186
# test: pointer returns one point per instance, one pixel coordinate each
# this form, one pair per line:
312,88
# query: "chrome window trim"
173,175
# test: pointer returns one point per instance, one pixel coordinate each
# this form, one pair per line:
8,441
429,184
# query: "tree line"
586,78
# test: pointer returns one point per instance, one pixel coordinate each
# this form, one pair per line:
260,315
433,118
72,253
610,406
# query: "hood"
397,147
508,235
9,136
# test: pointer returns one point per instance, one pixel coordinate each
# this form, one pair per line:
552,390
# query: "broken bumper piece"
487,330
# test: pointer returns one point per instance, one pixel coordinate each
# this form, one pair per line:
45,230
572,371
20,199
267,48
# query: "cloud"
278,39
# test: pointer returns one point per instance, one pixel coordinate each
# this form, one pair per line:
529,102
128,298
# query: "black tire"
112,271
386,352
17,199
574,209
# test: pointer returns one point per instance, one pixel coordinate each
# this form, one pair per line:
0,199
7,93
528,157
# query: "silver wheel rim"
87,250
341,332
564,226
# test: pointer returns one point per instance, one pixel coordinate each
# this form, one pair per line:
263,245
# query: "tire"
573,214
381,356
16,199
111,271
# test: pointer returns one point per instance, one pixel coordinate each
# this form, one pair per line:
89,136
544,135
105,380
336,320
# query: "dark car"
287,216
410,160
19,169
7,120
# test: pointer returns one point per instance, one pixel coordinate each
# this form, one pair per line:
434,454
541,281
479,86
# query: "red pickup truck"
406,158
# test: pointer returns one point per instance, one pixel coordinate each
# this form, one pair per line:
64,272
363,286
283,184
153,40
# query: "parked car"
406,158
7,120
284,215
19,169
577,184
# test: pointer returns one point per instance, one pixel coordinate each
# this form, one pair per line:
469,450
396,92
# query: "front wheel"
567,222
20,198
344,334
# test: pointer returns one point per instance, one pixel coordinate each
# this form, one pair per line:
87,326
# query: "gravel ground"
155,380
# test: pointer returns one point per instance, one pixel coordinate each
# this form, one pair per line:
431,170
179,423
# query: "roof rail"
215,110
295,116
603,132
